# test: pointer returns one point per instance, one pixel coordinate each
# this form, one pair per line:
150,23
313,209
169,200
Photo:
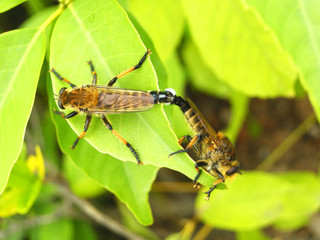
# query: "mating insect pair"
215,151
102,100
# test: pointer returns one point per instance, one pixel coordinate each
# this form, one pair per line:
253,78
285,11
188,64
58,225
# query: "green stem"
52,17
287,143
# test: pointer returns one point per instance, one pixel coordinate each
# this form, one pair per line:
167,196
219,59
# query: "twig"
184,187
203,232
287,143
87,208
28,223
98,216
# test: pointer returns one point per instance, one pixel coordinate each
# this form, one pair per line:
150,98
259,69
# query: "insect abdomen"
194,121
124,101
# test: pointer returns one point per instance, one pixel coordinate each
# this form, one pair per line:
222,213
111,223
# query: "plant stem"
203,233
87,208
96,215
287,143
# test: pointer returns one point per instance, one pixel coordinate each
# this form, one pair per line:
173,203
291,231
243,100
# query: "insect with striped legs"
215,151
106,99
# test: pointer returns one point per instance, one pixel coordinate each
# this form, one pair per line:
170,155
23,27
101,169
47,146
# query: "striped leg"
193,141
108,125
86,126
199,163
61,78
93,73
215,184
70,115
113,80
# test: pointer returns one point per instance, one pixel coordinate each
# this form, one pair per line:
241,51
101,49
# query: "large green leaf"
301,202
201,76
129,182
157,18
239,48
79,182
176,81
204,79
22,53
8,4
252,201
256,199
296,24
102,32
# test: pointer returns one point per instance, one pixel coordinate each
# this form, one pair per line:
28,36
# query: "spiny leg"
70,115
191,143
113,80
215,184
189,138
200,163
86,126
93,73
61,78
108,125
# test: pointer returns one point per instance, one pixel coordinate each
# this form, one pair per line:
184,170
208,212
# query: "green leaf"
128,181
22,53
301,202
5,5
79,182
298,33
84,231
62,229
258,199
80,35
203,79
23,186
239,109
176,81
157,18
239,48
251,235
37,19
252,201
201,76
131,223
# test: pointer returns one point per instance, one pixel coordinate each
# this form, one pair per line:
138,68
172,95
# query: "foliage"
233,50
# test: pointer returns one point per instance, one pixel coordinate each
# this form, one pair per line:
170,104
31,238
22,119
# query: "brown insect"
102,100
215,151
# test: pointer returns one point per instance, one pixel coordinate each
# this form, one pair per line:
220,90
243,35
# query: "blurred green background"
252,68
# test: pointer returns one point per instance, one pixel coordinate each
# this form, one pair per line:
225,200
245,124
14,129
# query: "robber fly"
105,99
215,151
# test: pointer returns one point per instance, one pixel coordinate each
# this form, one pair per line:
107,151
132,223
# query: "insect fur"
215,151
106,99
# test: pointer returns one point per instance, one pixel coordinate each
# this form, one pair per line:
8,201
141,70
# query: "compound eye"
233,170
62,90
60,105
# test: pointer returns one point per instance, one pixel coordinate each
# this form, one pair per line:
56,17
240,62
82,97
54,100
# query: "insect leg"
61,78
94,73
70,115
113,80
191,143
219,173
199,163
183,138
108,125
86,126
215,184
189,139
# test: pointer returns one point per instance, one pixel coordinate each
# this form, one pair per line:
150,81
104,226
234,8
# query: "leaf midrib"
20,64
